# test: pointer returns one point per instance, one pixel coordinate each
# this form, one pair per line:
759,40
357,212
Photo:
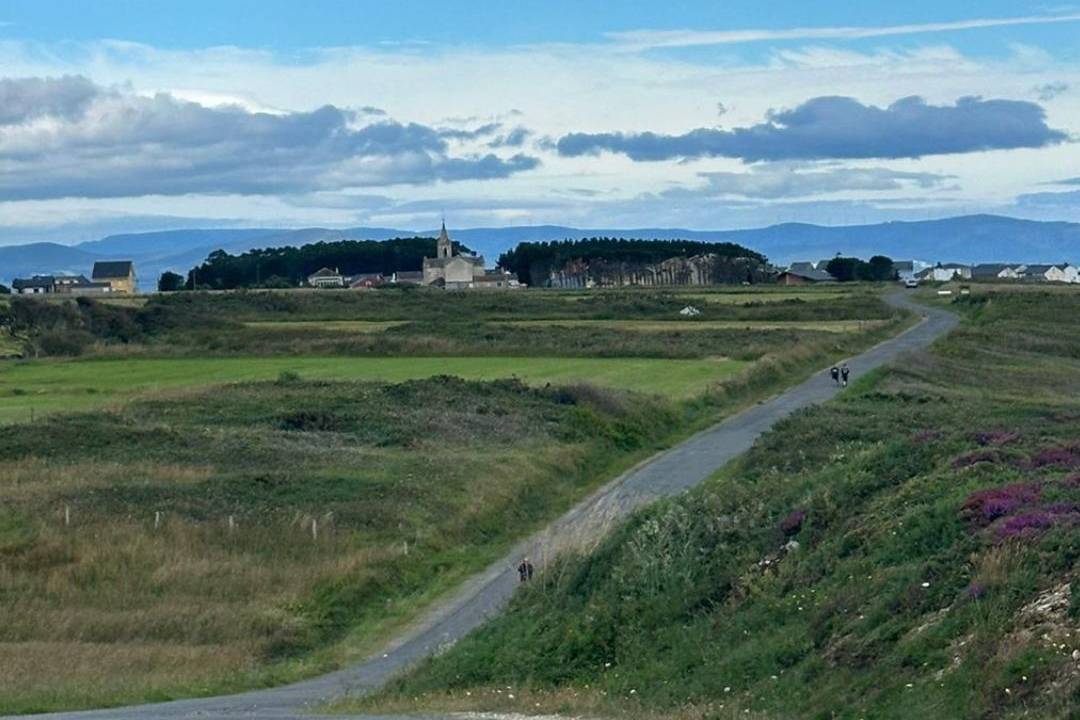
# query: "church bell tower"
444,249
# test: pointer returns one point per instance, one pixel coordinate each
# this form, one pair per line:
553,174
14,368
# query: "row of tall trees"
533,262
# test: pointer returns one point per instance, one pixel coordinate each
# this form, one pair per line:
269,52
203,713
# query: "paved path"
666,474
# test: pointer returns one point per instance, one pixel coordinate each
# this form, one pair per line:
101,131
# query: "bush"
63,343
311,421
289,377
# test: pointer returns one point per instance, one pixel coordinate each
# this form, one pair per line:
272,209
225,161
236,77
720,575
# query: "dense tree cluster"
846,269
289,266
533,261
4,289
170,282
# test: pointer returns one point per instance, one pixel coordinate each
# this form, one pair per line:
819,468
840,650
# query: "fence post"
232,524
67,516
157,519
314,529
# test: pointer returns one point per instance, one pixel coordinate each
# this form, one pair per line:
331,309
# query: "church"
461,272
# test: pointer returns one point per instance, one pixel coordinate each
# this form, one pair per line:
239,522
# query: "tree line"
289,266
532,262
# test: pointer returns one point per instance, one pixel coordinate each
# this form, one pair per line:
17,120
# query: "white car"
911,283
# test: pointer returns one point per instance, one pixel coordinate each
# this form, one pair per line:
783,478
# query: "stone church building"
461,272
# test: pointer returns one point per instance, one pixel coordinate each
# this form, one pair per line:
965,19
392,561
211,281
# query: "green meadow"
47,386
691,325
203,493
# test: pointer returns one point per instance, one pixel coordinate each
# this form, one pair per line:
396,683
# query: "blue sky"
289,26
148,114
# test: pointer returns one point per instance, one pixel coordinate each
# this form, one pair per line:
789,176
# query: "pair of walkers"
840,374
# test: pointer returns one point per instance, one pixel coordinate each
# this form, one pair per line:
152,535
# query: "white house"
995,271
326,278
946,272
1051,273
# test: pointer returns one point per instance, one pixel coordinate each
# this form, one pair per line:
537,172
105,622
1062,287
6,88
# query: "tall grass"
900,596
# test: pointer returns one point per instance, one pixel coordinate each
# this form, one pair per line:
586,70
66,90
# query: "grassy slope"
113,609
919,588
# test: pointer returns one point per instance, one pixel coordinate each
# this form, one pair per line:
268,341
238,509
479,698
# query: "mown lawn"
911,550
53,386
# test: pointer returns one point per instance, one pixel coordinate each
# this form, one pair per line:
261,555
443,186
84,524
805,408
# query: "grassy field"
652,326
352,326
241,437
411,487
51,386
911,550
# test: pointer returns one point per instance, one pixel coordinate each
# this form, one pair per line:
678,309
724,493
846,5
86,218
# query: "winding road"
666,474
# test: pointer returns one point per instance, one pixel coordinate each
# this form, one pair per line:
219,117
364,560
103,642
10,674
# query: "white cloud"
556,89
640,39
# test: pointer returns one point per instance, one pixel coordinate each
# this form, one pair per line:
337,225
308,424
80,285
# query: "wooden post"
67,516
232,524
314,528
157,519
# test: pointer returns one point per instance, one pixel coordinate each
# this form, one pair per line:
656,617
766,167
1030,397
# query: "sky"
125,115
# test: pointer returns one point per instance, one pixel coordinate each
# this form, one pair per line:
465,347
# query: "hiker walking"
835,372
525,570
844,372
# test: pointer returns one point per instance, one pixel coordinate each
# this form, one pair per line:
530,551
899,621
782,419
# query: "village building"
994,271
366,281
119,274
946,272
450,271
326,278
407,277
37,285
80,285
801,276
1063,273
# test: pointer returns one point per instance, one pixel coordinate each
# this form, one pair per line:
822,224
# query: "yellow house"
120,274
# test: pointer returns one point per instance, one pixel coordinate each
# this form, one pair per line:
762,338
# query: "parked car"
911,283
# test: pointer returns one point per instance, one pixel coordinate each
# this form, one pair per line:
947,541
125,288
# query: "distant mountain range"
970,239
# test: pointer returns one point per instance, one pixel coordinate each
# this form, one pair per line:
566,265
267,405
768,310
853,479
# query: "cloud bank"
772,182
843,128
68,137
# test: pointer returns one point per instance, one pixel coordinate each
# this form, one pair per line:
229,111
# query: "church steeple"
444,248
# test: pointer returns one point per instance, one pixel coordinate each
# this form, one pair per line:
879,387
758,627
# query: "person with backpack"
525,570
844,372
835,373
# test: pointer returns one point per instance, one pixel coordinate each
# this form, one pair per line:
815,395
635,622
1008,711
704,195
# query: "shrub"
793,523
63,343
985,506
977,457
311,421
1024,526
996,437
1067,457
288,377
